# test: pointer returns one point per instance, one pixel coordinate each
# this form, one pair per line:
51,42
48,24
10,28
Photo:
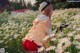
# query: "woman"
40,29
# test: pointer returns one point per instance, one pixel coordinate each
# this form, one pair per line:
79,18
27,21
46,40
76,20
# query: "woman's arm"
50,34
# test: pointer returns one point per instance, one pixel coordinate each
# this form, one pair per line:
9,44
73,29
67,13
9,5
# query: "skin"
48,11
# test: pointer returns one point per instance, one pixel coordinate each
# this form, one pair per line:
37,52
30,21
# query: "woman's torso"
39,30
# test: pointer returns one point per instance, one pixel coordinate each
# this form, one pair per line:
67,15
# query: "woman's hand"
52,35
46,38
46,42
49,37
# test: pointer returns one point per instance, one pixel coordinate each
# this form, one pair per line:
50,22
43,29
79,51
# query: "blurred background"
34,4
16,17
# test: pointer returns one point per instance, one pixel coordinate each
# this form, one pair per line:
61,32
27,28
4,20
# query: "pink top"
41,28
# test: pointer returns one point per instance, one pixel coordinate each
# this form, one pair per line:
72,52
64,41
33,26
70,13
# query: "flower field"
14,26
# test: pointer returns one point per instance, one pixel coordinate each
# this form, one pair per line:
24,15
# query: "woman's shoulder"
41,17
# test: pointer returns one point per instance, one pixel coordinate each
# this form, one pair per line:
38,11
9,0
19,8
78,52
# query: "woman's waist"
38,42
37,38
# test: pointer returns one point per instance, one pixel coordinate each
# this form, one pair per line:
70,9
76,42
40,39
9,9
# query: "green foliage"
14,26
29,5
60,5
3,17
16,5
57,4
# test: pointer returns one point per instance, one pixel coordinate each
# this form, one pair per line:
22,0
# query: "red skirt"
28,45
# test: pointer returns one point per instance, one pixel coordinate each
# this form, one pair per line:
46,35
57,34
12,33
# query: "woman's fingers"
52,35
47,37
